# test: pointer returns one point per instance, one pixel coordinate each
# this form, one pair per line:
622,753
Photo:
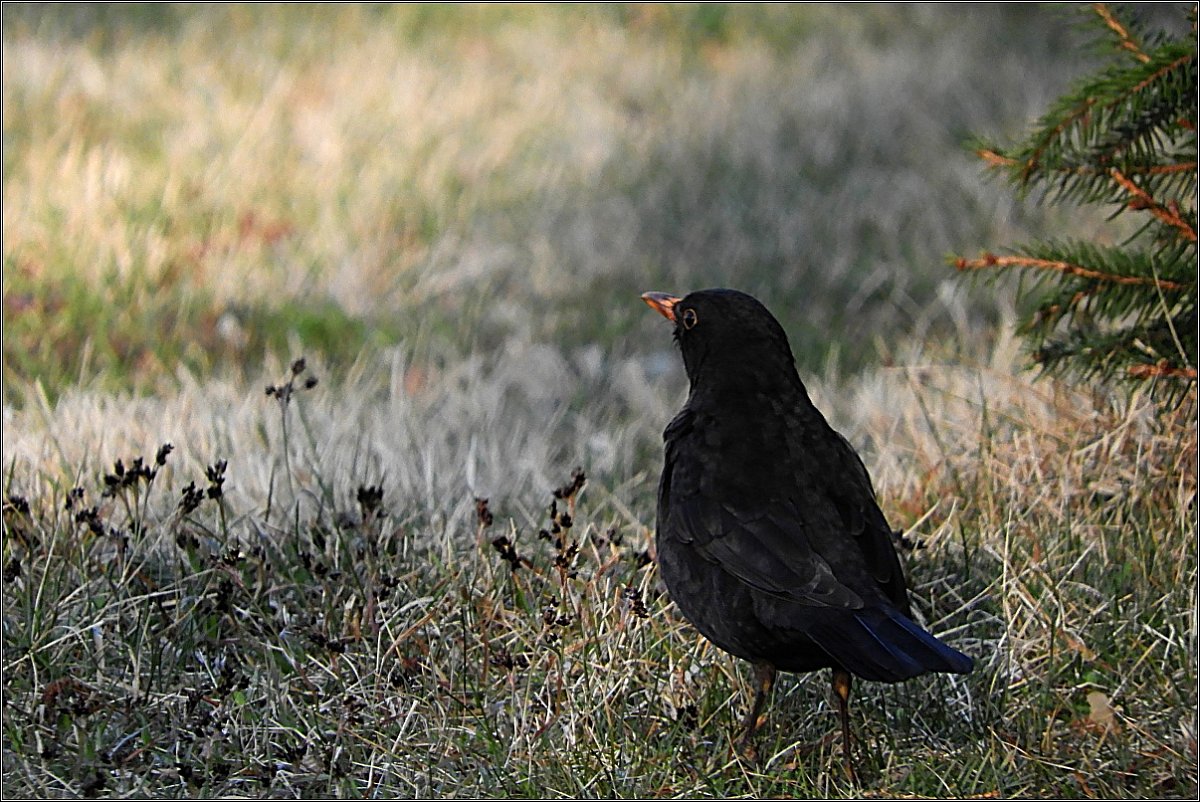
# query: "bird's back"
772,544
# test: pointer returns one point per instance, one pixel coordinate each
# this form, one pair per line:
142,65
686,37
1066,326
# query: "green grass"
451,211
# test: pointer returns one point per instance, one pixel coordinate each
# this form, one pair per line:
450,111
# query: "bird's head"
726,335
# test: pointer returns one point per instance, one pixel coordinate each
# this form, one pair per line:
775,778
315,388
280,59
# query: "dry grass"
327,645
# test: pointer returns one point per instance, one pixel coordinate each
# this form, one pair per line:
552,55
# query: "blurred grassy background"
197,185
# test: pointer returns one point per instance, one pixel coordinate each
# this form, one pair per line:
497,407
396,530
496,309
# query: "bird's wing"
868,528
766,548
814,540
824,546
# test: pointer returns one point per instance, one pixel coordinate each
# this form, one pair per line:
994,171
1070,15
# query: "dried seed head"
482,513
192,499
216,472
20,505
216,479
74,496
12,570
508,551
91,517
501,658
565,559
369,498
633,597
578,480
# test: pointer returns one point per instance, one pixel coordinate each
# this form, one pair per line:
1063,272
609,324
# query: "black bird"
769,537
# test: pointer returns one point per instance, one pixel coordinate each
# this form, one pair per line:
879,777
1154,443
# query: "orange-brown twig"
991,260
1162,71
1161,369
1122,33
1142,200
1165,169
1147,169
994,159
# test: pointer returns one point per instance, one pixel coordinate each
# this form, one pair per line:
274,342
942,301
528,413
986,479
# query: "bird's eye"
689,318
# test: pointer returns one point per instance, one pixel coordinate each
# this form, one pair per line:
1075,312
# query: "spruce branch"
1166,169
1142,200
1118,118
1181,61
1161,369
1125,40
1032,163
1125,137
991,260
998,160
994,159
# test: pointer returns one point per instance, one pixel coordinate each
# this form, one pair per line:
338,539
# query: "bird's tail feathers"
884,645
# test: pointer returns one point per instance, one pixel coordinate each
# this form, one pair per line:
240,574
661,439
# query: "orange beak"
662,303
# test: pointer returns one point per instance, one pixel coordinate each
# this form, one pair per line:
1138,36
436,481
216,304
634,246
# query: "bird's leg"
841,689
764,678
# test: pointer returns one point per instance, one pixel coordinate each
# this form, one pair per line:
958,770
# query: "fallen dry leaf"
1102,713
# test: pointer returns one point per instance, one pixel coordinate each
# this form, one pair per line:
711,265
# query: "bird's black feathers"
769,539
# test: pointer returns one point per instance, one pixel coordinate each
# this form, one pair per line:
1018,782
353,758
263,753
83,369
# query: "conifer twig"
1124,138
1142,200
994,159
1084,108
1043,143
1122,33
1161,369
1165,169
1138,87
991,260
